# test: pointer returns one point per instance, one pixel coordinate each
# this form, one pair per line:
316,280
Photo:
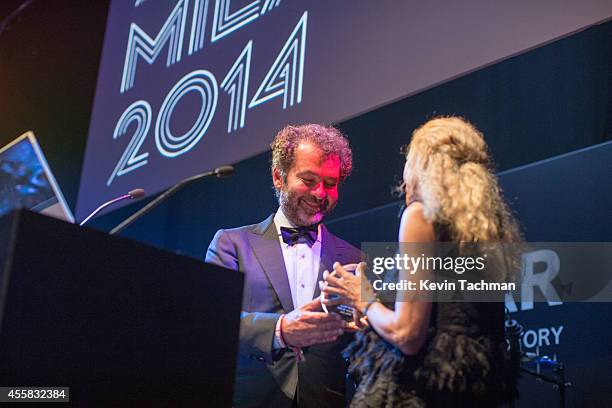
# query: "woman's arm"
407,325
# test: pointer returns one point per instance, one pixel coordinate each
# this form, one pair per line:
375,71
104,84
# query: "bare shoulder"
414,226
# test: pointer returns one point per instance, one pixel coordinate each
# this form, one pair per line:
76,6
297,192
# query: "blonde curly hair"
447,169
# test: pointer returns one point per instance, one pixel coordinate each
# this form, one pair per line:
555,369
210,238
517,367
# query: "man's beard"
290,204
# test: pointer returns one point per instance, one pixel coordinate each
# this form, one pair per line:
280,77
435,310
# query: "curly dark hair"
327,138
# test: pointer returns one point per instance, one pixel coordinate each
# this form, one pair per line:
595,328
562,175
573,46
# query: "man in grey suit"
289,348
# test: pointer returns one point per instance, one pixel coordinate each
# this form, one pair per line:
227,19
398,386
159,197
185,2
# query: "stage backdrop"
185,86
550,101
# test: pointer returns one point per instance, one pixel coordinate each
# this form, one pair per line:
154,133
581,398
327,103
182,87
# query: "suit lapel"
268,251
330,253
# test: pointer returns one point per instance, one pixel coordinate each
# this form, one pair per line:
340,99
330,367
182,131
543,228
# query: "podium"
119,322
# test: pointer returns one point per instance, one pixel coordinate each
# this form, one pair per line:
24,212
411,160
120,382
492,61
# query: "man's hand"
308,325
350,289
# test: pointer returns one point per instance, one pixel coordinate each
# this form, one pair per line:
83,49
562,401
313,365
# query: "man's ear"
277,178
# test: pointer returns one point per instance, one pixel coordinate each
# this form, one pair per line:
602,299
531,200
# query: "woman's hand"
351,290
359,322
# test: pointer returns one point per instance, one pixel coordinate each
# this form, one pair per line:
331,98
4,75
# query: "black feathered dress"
463,363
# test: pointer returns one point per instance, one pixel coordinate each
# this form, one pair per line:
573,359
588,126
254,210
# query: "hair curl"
327,138
447,168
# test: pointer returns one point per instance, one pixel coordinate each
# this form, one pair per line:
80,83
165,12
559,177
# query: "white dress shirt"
301,262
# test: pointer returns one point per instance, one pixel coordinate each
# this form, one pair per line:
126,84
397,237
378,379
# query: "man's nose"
319,191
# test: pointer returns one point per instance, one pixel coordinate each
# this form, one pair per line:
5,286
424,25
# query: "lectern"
119,322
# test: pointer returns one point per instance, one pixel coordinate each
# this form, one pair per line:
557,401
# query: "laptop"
26,181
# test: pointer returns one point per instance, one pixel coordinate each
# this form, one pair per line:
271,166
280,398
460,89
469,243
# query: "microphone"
220,172
132,195
224,171
136,193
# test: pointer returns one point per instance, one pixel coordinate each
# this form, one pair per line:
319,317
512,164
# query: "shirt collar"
281,220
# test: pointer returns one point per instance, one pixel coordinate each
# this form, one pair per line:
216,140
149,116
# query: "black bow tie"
292,236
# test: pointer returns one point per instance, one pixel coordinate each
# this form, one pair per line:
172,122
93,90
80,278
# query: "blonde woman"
419,353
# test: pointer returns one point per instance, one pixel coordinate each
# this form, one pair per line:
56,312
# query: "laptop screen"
26,180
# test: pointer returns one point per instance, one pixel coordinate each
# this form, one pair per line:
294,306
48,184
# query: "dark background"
376,53
49,56
547,102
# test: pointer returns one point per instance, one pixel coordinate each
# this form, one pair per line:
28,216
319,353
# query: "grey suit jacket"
267,377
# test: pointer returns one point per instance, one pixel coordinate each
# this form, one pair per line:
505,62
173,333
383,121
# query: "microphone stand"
513,331
106,204
219,172
132,195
